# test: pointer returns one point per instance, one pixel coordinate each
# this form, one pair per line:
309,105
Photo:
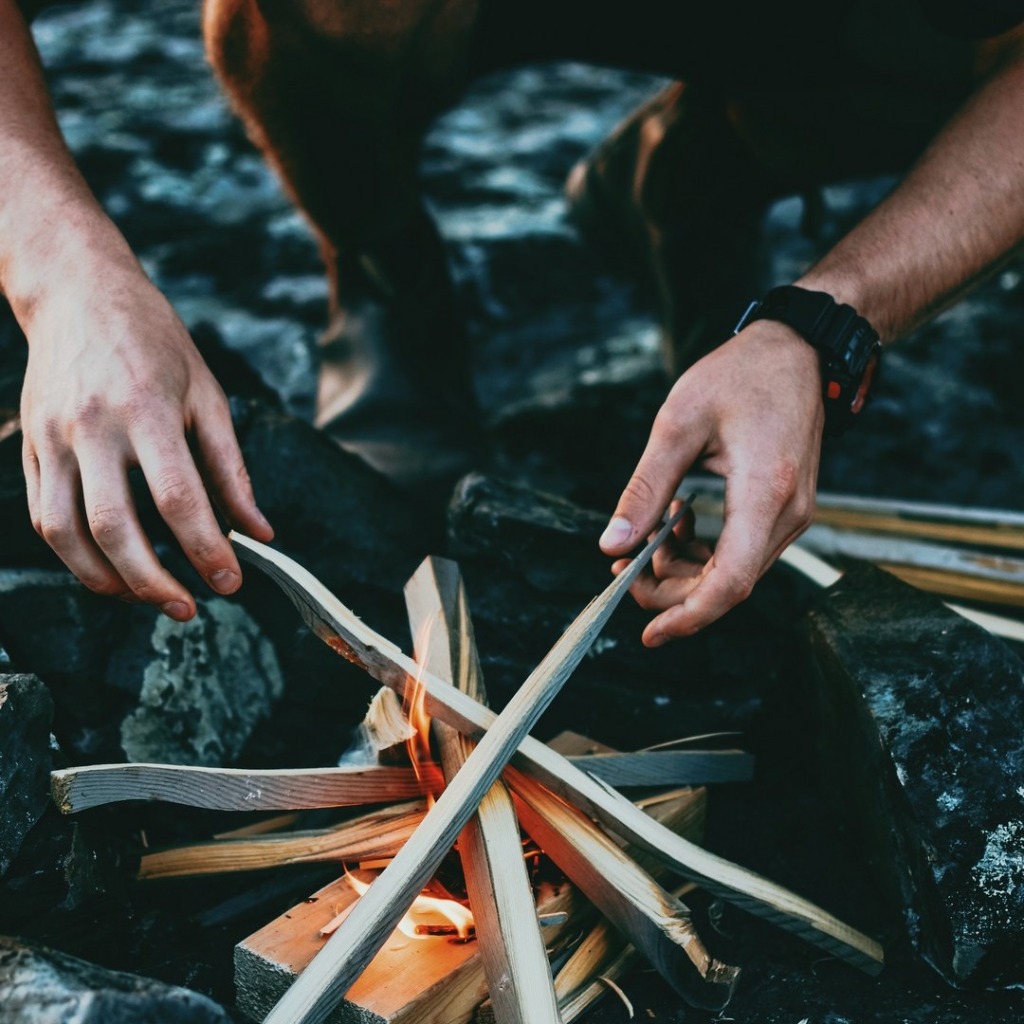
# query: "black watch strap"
848,345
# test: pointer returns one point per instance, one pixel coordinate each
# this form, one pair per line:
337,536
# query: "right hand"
114,381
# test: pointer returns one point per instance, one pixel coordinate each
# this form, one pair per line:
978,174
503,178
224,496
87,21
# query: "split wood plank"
353,945
619,886
998,528
821,572
490,846
668,767
378,834
410,981
953,572
337,626
237,789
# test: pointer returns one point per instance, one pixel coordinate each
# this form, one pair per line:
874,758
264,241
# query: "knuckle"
639,491
55,528
802,510
174,495
107,523
784,483
105,586
739,586
667,426
145,586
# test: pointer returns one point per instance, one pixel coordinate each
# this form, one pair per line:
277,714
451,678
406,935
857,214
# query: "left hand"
752,412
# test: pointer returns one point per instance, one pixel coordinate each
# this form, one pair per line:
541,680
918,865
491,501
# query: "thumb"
667,457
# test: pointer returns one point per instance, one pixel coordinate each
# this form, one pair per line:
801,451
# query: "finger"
753,528
183,503
225,473
115,527
658,594
62,527
673,447
30,464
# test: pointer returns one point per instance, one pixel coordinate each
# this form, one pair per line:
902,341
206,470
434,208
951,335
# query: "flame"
428,916
418,745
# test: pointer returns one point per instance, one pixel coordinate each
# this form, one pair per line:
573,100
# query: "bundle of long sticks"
970,554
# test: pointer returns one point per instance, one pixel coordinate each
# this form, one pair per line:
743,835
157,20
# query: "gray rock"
25,714
41,986
204,686
919,720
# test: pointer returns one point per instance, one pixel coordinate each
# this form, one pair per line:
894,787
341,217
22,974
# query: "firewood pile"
569,883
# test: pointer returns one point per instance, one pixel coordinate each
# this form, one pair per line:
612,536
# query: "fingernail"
263,520
616,533
657,640
224,581
175,609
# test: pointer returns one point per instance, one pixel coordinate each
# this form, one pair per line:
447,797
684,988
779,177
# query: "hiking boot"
675,199
395,386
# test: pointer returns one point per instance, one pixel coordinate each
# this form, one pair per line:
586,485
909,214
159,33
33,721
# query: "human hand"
114,381
752,411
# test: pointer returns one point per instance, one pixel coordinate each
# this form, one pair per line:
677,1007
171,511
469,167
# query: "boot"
395,385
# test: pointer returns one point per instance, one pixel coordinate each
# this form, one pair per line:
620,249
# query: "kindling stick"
490,846
338,627
325,981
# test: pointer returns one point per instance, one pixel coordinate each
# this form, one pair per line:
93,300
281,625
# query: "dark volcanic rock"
920,716
41,986
25,713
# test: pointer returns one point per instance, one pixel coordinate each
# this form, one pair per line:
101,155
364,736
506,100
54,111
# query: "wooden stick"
379,834
410,981
819,571
658,925
940,569
668,767
353,945
236,789
998,528
490,846
351,638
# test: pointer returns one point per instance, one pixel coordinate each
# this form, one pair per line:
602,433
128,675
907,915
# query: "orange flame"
418,745
427,915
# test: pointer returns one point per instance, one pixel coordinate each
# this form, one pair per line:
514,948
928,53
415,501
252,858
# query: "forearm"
50,223
955,217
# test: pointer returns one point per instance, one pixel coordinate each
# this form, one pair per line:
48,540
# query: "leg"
682,185
337,94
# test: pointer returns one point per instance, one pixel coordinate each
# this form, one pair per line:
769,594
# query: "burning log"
500,895
343,631
350,949
379,834
236,789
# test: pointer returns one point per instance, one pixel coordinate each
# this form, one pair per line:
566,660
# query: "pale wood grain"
378,834
490,846
346,634
350,949
236,789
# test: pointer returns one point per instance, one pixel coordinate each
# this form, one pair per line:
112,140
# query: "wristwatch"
848,345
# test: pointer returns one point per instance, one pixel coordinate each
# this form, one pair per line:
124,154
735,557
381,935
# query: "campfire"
564,881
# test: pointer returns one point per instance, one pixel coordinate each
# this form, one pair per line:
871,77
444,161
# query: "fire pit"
554,799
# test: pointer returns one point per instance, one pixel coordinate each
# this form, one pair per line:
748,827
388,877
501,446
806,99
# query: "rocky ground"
566,367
